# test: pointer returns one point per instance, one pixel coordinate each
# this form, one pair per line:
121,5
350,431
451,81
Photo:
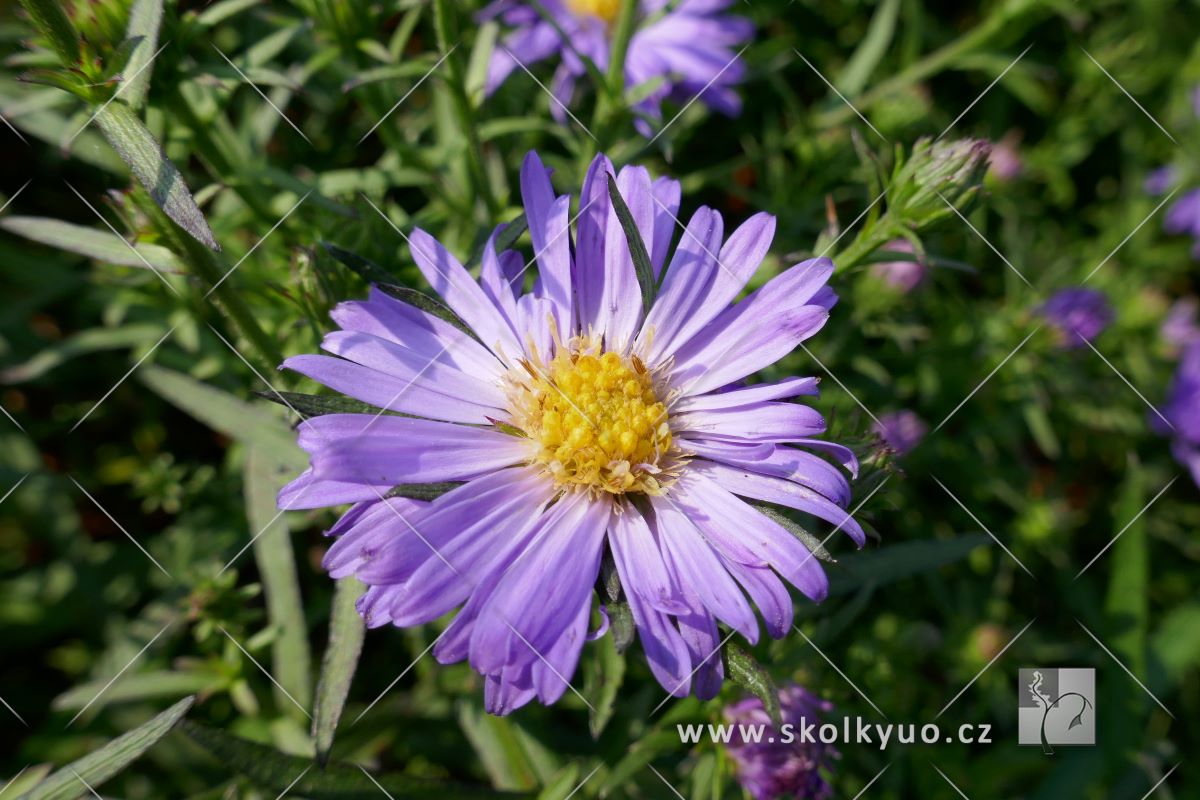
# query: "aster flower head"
773,769
1179,417
1077,314
573,423
1005,161
901,430
904,274
937,173
687,49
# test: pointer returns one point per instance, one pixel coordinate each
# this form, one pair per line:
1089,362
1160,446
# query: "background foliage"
298,123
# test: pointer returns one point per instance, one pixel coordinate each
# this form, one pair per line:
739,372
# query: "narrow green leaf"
346,631
25,780
603,672
290,654
91,340
105,762
316,405
155,685
51,20
637,248
620,624
366,269
422,491
227,414
277,772
1126,605
811,542
145,19
138,148
870,50
900,561
93,243
507,238
498,745
561,786
746,672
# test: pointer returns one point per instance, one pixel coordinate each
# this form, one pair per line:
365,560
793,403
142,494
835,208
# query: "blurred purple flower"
1183,217
690,46
1159,181
904,275
1005,160
902,430
769,770
1078,315
1180,328
1180,415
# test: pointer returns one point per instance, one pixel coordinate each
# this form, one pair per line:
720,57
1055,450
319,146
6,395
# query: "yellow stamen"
605,10
596,418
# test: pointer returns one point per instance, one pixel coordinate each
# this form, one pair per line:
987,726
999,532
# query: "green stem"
445,29
52,22
610,95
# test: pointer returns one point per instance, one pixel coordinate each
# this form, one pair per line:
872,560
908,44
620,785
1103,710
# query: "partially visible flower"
1005,161
688,47
904,274
1179,417
575,426
1183,217
1078,315
902,430
1180,328
778,768
1159,180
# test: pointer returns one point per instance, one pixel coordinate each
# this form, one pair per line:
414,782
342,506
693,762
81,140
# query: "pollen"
597,421
604,10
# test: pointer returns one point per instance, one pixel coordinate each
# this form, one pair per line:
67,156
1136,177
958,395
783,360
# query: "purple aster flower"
771,769
1079,315
1179,417
902,430
1180,328
905,274
579,425
689,46
1183,217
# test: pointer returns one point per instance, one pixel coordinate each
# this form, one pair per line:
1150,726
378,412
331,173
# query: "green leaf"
346,631
105,762
561,786
316,405
510,755
507,238
153,685
900,561
1126,606
620,624
870,50
290,654
637,248
91,340
145,18
138,148
51,20
747,673
366,269
277,772
422,491
603,672
25,780
227,414
811,542
93,243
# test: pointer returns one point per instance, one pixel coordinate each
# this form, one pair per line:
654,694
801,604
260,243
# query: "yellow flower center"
597,420
605,10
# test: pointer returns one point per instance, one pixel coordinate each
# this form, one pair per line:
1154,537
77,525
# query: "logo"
1056,707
